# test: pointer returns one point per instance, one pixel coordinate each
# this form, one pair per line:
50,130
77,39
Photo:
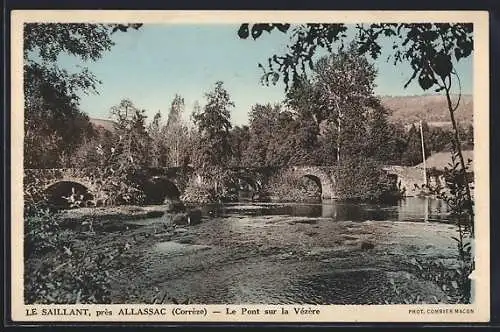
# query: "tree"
327,141
282,144
54,126
175,132
212,151
87,154
214,123
157,148
413,152
340,90
427,138
263,121
386,142
439,139
305,133
132,141
239,138
176,110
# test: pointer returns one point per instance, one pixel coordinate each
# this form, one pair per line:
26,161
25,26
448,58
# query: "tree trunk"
456,143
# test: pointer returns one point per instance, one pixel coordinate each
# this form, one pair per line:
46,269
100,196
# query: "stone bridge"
98,184
156,183
95,184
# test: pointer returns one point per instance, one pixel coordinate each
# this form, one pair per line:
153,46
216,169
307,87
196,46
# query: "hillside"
430,108
403,109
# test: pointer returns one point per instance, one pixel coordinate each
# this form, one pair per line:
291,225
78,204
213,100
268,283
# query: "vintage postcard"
250,166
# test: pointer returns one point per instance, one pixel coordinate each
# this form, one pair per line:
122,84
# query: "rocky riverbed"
238,258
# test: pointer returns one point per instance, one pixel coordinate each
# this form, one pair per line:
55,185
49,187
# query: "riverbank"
239,258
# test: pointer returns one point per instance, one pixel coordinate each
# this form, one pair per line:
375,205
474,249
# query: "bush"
363,179
461,206
212,184
57,271
198,193
287,187
41,233
68,278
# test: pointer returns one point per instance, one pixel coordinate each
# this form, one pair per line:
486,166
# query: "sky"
150,65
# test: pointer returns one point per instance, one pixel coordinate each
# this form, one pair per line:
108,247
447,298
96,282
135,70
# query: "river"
323,253
411,209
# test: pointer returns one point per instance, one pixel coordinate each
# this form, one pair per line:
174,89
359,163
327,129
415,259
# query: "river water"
412,209
283,253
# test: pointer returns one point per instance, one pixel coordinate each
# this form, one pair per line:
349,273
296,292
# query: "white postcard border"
477,312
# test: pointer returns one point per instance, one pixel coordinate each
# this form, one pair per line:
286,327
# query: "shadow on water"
409,209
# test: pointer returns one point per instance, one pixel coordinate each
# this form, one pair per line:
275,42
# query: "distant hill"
432,109
102,124
440,160
404,109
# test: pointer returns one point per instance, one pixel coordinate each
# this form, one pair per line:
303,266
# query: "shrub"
57,271
363,179
287,187
68,277
41,233
211,185
197,193
461,208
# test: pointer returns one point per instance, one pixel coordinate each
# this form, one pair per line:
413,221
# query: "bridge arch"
159,188
320,176
247,182
316,180
68,193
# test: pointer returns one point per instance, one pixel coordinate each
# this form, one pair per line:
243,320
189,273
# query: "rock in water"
367,245
194,216
180,219
174,205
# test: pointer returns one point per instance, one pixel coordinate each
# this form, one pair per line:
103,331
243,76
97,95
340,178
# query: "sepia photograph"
173,161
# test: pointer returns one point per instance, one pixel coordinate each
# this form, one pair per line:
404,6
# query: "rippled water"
291,253
409,209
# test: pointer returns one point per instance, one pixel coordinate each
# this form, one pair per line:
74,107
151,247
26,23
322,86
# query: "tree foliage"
175,133
52,93
339,92
214,123
262,124
305,39
239,137
428,48
131,137
385,141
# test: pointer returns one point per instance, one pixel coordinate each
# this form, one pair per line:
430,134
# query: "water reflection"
410,209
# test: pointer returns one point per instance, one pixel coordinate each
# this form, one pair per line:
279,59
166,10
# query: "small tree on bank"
213,151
